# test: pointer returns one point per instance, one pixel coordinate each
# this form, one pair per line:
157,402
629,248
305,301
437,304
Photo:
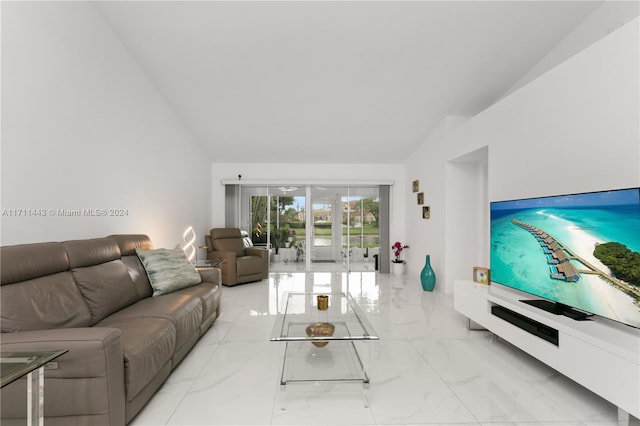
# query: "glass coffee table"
327,339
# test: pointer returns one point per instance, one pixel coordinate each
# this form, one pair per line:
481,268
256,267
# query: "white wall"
84,128
313,173
427,236
574,129
467,214
608,17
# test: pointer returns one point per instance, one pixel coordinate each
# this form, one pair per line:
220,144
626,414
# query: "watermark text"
50,212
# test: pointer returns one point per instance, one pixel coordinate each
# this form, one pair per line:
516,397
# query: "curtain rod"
301,182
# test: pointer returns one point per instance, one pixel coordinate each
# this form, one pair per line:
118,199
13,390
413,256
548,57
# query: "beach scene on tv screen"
582,250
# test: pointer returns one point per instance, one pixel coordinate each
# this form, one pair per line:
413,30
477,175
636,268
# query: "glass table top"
204,264
14,365
300,319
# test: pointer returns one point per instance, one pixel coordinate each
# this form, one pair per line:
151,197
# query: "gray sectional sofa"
93,297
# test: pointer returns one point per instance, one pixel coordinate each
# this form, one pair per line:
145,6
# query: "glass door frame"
332,198
244,217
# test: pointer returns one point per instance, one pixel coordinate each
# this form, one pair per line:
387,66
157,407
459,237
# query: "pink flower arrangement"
397,248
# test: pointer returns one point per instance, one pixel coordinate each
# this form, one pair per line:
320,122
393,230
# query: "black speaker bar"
527,324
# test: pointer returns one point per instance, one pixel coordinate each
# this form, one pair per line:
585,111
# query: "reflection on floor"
427,369
324,266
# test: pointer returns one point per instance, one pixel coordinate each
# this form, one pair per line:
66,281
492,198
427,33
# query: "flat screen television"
574,251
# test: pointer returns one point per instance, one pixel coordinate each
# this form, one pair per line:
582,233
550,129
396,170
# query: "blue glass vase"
428,276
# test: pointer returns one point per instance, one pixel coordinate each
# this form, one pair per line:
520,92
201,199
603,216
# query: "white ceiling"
334,82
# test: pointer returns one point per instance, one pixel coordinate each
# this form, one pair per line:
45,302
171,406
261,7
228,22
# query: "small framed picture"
420,197
426,212
481,275
415,185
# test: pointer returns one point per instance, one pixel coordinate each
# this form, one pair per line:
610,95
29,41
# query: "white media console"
599,354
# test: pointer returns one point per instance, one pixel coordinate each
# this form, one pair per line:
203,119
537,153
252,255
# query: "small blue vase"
428,276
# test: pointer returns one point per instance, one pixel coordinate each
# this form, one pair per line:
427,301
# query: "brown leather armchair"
242,264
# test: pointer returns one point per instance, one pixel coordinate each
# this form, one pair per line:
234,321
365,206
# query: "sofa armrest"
262,253
87,382
211,276
229,258
228,268
255,251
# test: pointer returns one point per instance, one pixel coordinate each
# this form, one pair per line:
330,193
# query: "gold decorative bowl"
320,329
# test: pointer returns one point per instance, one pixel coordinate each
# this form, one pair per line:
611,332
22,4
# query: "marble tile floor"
427,368
282,266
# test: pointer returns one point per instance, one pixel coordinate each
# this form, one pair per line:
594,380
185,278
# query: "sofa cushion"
128,243
138,276
38,291
91,252
100,275
53,301
209,295
183,310
28,261
106,288
168,270
148,344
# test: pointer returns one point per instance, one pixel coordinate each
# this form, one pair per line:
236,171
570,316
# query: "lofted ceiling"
334,82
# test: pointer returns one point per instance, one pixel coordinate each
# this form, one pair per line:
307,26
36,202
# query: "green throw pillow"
168,270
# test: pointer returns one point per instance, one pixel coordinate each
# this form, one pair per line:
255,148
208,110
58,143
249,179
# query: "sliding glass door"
362,223
327,225
333,228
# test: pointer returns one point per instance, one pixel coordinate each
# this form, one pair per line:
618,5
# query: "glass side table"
204,265
14,365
